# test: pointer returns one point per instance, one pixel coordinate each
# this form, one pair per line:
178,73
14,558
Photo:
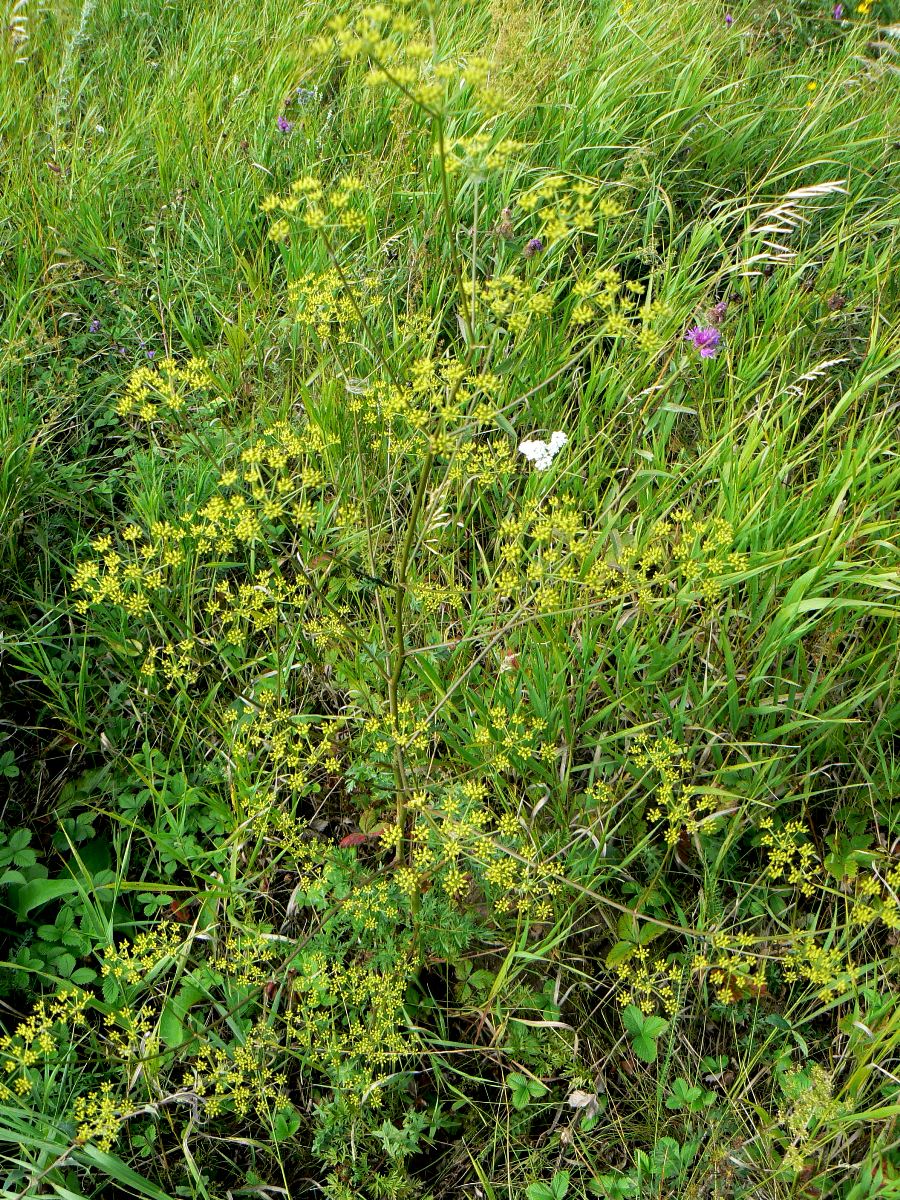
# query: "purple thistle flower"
284,124
729,19
94,326
705,339
716,314
838,11
535,246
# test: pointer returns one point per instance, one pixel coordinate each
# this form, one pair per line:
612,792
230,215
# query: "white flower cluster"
542,454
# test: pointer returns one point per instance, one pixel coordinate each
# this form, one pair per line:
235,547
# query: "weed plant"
450,569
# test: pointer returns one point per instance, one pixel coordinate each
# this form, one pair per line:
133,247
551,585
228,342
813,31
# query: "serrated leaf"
620,953
655,1027
64,965
19,839
633,1019
539,1191
644,1047
559,1185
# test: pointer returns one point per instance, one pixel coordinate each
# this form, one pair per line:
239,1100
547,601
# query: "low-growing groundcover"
449,487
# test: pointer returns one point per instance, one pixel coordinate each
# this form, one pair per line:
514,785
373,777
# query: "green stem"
451,234
399,654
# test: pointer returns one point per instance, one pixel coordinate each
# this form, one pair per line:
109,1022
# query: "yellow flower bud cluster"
792,859
478,155
646,982
876,897
825,967
129,963
514,302
326,307
38,1037
275,489
602,296
98,1117
566,206
547,545
463,846
682,807
734,972
395,56
337,207
294,753
164,390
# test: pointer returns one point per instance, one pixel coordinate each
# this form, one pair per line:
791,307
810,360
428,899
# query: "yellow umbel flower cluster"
387,42
132,962
277,483
646,982
324,304
435,406
876,897
565,205
99,1117
514,301
250,957
479,154
676,801
318,207
791,858
37,1037
294,752
349,1011
243,1076
732,970
162,390
407,731
826,968
506,740
538,547
548,545
460,844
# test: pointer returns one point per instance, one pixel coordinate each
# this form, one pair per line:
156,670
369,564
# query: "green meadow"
449,595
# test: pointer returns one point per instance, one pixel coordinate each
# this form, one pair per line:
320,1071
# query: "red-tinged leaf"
356,839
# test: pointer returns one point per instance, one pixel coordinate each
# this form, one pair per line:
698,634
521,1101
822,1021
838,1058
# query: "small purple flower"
838,11
284,124
729,20
151,353
705,339
94,326
716,314
535,246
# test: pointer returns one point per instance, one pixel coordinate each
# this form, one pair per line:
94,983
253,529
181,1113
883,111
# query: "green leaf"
667,1158
41,891
655,1027
64,965
644,1048
559,1184
539,1191
286,1124
19,839
633,1019
524,1090
619,953
171,1030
